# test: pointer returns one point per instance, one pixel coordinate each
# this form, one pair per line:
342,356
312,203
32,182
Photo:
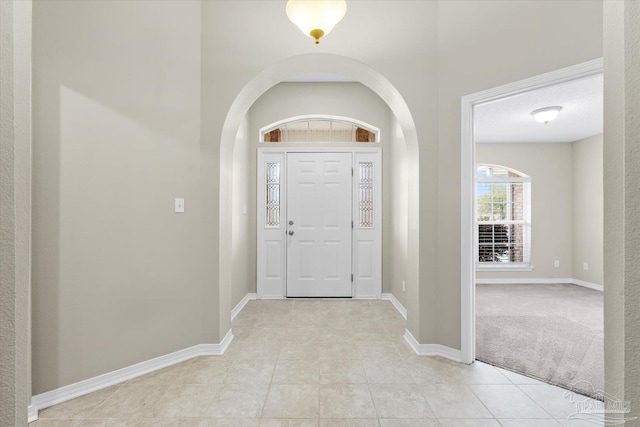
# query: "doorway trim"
362,288
467,202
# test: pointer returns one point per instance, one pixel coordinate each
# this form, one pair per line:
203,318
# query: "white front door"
318,224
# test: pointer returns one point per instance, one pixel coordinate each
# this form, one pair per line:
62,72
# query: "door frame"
361,288
468,250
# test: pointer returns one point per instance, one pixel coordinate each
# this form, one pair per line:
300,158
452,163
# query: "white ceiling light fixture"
316,18
546,114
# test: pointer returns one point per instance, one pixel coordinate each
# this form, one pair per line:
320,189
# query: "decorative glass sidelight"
365,194
272,217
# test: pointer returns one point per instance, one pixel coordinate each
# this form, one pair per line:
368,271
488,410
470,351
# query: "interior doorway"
537,231
319,223
469,252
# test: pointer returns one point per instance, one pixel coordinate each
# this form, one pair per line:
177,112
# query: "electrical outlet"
556,263
585,265
404,286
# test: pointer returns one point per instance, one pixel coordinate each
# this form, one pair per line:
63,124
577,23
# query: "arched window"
503,215
319,128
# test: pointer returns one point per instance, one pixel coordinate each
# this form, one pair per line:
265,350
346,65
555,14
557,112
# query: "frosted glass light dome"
545,115
316,18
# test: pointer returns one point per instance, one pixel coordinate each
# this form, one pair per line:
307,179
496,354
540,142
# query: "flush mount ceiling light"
546,114
316,18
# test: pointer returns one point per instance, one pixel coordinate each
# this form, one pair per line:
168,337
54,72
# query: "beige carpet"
554,333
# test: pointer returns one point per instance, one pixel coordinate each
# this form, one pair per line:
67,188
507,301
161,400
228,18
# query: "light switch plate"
179,205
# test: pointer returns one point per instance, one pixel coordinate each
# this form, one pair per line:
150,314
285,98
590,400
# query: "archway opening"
403,127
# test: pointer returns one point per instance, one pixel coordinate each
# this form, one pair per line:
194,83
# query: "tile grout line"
535,402
119,386
482,403
525,394
264,404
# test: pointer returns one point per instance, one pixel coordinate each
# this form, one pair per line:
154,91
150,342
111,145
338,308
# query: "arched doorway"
283,70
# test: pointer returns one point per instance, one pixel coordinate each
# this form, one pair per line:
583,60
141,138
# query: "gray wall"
116,273
15,211
566,205
588,201
622,202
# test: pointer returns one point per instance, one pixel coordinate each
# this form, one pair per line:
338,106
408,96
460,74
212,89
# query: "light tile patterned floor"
320,363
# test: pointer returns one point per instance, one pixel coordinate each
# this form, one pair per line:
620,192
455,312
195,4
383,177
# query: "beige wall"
340,99
15,211
549,166
396,184
243,224
588,202
632,207
622,202
614,196
116,273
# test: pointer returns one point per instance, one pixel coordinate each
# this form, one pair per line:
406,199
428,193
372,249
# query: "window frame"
318,117
526,240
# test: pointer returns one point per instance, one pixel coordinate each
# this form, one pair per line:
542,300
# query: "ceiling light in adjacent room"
546,114
316,18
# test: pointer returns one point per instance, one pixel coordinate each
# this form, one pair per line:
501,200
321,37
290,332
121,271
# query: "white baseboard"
62,394
32,414
540,281
525,281
238,308
589,285
215,349
396,304
432,349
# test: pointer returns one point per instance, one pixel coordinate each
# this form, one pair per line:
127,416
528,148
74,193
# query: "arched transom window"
503,215
319,128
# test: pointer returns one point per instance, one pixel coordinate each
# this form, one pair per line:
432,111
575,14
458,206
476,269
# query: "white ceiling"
510,120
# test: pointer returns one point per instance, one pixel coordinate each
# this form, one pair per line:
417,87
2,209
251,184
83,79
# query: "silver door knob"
290,222
290,232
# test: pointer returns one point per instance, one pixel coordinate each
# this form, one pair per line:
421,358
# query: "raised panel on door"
319,232
273,251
